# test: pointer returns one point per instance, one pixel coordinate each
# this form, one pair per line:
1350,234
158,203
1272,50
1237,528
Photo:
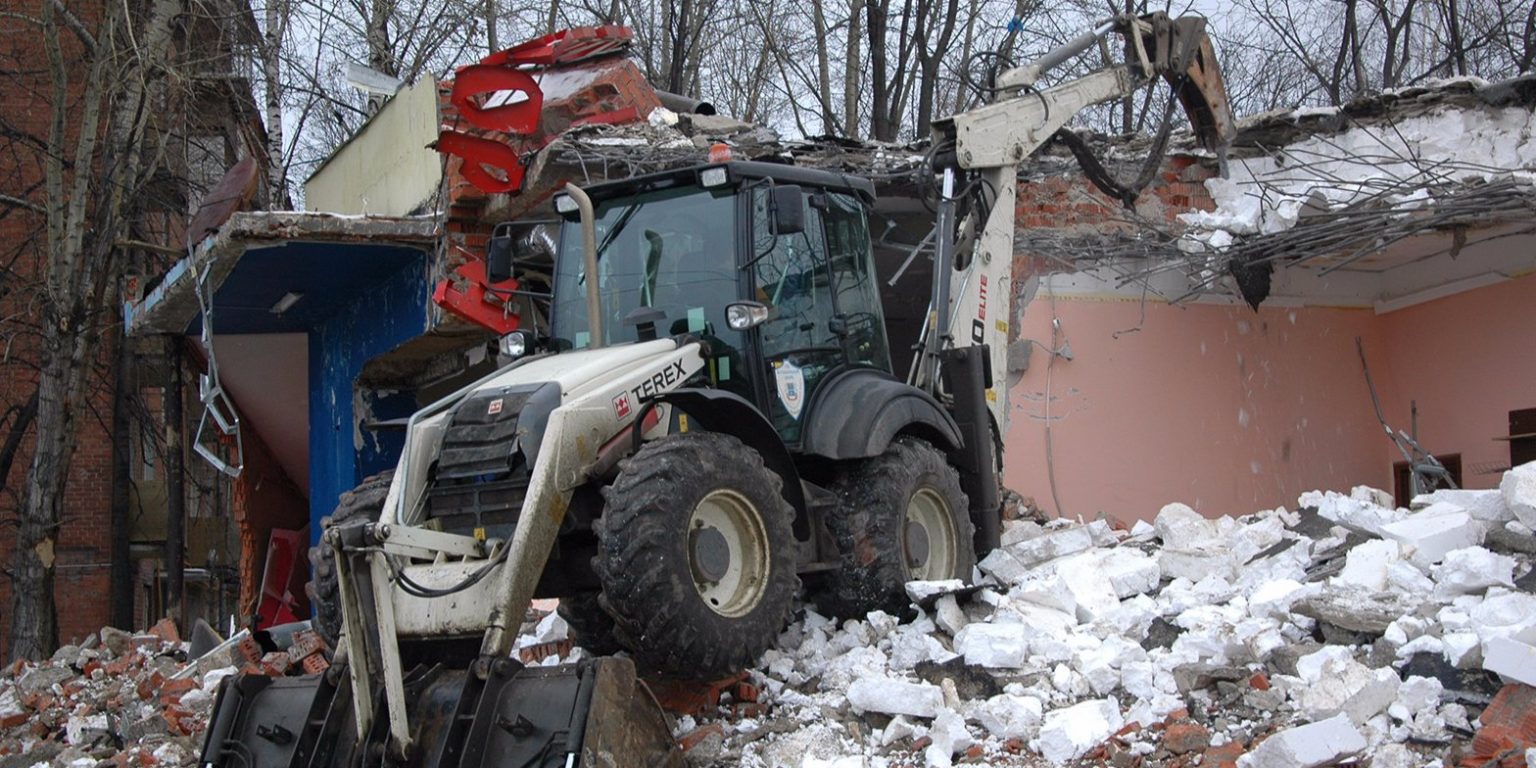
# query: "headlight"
713,177
515,344
565,204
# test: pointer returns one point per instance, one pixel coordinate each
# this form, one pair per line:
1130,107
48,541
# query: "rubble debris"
1279,638
125,699
1346,630
1307,746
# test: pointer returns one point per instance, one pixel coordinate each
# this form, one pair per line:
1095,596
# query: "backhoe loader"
711,414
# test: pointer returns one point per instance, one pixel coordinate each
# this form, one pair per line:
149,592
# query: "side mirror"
786,206
498,255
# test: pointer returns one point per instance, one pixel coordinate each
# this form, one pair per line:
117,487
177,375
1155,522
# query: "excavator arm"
978,152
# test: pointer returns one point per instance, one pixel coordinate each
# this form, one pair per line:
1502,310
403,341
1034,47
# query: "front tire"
591,626
696,556
901,517
359,506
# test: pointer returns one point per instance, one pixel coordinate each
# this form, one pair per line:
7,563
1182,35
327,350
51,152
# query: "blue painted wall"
366,324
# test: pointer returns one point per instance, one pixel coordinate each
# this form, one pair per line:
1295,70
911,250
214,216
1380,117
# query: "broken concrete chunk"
1194,677
918,591
1432,535
1180,527
1514,658
900,729
1001,565
1007,716
1273,599
1473,570
1052,544
948,615
1069,733
1371,495
116,640
1351,610
1196,564
1130,571
1351,688
996,646
85,730
1015,531
948,736
895,697
1487,505
1307,746
1366,565
1502,614
1519,491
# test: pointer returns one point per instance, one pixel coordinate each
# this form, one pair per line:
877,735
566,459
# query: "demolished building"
1139,377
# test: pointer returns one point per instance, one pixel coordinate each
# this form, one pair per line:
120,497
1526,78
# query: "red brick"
1224,756
1181,738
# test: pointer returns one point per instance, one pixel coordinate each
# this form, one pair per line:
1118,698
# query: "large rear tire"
696,556
901,517
358,506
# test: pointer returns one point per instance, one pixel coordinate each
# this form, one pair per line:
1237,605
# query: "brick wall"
1069,204
83,543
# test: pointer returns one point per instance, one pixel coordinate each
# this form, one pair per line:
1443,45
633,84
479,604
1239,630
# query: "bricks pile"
126,700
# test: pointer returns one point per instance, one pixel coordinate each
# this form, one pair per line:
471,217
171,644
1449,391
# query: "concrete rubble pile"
126,700
1347,631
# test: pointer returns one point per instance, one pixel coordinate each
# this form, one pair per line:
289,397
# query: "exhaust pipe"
589,262
685,105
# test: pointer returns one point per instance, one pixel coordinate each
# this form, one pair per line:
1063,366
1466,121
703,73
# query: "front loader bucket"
593,713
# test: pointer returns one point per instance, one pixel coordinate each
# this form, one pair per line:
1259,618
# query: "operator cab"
675,249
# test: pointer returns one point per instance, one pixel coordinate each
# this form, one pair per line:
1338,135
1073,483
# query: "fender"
717,410
860,411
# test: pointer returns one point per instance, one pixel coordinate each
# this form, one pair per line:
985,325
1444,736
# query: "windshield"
671,250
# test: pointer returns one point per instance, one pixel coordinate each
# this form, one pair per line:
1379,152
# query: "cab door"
819,285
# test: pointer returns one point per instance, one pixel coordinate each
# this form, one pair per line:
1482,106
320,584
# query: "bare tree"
100,148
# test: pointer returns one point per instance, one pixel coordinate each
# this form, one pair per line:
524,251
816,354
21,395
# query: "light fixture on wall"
286,302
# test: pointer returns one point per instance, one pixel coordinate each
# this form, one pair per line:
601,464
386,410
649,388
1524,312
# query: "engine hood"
580,371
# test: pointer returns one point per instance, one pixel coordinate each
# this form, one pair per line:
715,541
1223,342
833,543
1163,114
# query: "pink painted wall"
1232,411
1215,406
1468,360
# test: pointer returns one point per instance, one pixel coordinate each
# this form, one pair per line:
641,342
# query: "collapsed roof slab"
327,248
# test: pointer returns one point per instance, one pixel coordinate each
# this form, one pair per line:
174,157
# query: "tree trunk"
492,13
880,128
823,68
380,57
1457,45
34,619
175,486
120,579
851,72
271,61
1127,104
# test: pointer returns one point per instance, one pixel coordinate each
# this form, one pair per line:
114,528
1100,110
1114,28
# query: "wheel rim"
928,540
728,553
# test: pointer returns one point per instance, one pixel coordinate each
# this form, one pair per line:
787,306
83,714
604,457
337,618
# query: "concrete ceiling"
267,375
